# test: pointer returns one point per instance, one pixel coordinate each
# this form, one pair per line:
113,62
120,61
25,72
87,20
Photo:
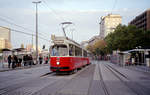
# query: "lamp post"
36,3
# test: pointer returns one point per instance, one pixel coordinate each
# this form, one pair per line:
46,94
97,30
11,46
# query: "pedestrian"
24,60
13,62
27,59
19,61
16,61
9,61
40,59
46,60
30,60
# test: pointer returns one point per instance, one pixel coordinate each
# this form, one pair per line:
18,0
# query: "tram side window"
59,50
85,53
78,51
71,50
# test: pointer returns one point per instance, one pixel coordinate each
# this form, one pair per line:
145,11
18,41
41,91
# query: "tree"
99,47
126,38
90,48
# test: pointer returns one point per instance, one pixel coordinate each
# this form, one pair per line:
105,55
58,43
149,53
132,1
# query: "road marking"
96,73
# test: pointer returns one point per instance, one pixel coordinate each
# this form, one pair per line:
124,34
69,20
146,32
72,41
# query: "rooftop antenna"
64,26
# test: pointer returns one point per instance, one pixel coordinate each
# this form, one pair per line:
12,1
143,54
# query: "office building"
142,21
108,24
5,33
5,38
4,43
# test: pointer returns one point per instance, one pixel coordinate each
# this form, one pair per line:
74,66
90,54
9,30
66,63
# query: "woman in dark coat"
40,59
9,61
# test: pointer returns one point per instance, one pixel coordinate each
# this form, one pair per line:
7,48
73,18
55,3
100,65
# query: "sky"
85,14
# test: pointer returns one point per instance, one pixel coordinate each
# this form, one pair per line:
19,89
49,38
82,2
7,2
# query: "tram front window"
59,50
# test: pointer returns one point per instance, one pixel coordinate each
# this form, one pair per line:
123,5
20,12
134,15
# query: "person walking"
9,61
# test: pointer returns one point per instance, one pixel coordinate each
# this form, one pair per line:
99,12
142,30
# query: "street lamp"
36,3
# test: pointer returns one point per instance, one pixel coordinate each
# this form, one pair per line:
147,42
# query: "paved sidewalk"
3,69
136,67
139,68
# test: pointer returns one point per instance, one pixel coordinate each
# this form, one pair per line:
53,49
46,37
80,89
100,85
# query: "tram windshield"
59,50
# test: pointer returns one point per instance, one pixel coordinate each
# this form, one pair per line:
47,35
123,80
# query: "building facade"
93,40
142,21
4,43
5,33
108,24
5,38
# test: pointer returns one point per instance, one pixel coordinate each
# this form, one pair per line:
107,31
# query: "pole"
32,41
36,3
64,31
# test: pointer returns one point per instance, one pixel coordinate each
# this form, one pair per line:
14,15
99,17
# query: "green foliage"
98,48
123,38
126,38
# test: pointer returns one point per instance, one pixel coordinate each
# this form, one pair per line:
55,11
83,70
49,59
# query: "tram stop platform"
4,67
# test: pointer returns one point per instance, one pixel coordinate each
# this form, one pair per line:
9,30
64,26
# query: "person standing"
46,60
19,61
30,60
40,59
13,62
9,61
24,60
16,61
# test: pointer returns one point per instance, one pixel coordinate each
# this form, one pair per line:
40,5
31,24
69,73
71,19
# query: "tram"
67,55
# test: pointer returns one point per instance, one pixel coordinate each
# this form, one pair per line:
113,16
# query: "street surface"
99,78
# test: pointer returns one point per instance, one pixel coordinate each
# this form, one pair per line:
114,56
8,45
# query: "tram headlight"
58,63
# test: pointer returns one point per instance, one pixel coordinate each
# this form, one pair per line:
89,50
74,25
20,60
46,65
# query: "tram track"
135,87
59,84
102,83
118,72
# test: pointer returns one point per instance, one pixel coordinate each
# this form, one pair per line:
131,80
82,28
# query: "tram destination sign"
58,41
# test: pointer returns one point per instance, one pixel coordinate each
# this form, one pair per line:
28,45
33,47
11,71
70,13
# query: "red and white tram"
67,55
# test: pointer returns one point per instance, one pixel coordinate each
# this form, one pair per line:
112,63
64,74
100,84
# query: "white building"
108,24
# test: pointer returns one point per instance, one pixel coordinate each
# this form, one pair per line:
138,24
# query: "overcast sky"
85,14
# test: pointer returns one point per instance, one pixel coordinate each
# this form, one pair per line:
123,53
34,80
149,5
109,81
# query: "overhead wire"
18,31
4,20
50,8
